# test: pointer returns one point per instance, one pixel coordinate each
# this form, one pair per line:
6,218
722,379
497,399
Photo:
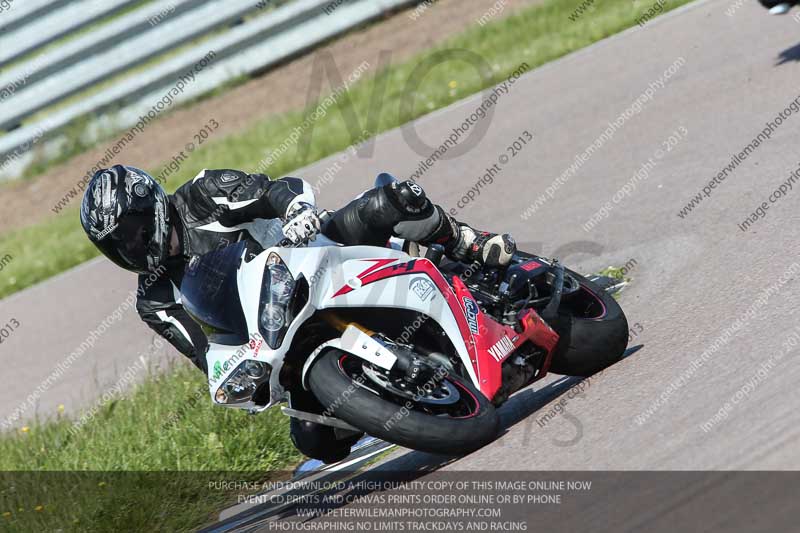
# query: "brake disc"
430,392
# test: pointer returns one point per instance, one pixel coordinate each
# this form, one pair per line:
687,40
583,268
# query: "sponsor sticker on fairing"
422,287
255,346
217,371
501,348
471,310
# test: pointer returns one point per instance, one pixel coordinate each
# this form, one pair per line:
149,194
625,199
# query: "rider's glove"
302,223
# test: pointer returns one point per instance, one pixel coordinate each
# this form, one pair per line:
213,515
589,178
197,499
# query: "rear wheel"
446,414
593,331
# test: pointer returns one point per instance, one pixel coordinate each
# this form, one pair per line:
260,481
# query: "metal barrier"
54,24
131,52
21,13
254,44
77,49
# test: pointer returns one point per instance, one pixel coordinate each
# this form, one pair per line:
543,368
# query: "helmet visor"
140,240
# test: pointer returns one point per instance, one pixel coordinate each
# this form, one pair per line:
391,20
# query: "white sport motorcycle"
409,349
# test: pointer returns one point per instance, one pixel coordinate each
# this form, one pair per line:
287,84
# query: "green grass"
617,273
131,469
535,36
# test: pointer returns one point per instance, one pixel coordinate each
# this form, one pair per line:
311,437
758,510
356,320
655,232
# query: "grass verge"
534,36
142,463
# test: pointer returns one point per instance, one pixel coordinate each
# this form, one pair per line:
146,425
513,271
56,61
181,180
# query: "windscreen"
210,292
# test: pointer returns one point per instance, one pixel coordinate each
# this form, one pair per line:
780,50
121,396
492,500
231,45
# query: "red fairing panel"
488,342
493,342
541,334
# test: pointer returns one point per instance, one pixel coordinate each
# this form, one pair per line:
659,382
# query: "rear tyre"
334,381
593,331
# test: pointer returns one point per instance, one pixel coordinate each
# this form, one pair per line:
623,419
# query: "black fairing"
211,295
519,275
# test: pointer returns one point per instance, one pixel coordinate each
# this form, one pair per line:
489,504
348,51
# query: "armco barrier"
246,48
53,24
71,52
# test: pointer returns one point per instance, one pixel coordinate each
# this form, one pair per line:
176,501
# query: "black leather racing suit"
218,208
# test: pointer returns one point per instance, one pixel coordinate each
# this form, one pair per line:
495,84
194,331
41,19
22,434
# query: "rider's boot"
402,209
317,441
463,243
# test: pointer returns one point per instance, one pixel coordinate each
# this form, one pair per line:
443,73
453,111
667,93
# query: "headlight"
277,309
255,369
243,382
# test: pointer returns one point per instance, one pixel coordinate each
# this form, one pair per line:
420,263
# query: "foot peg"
319,419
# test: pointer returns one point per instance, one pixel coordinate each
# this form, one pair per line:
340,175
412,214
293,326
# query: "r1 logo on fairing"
471,310
502,348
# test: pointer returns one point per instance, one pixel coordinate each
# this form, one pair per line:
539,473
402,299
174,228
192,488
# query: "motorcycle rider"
134,223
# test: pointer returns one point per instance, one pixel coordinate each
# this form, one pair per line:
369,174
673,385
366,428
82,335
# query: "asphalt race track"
700,284
693,277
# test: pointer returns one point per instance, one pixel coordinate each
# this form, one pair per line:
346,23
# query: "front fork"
413,369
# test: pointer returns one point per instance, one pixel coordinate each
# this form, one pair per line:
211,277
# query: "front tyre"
457,420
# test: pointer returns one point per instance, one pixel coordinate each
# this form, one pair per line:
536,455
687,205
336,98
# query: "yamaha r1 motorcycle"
414,350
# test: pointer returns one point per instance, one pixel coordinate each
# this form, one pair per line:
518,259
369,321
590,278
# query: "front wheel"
446,414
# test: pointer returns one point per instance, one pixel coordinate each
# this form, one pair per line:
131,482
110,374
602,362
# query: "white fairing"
328,268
